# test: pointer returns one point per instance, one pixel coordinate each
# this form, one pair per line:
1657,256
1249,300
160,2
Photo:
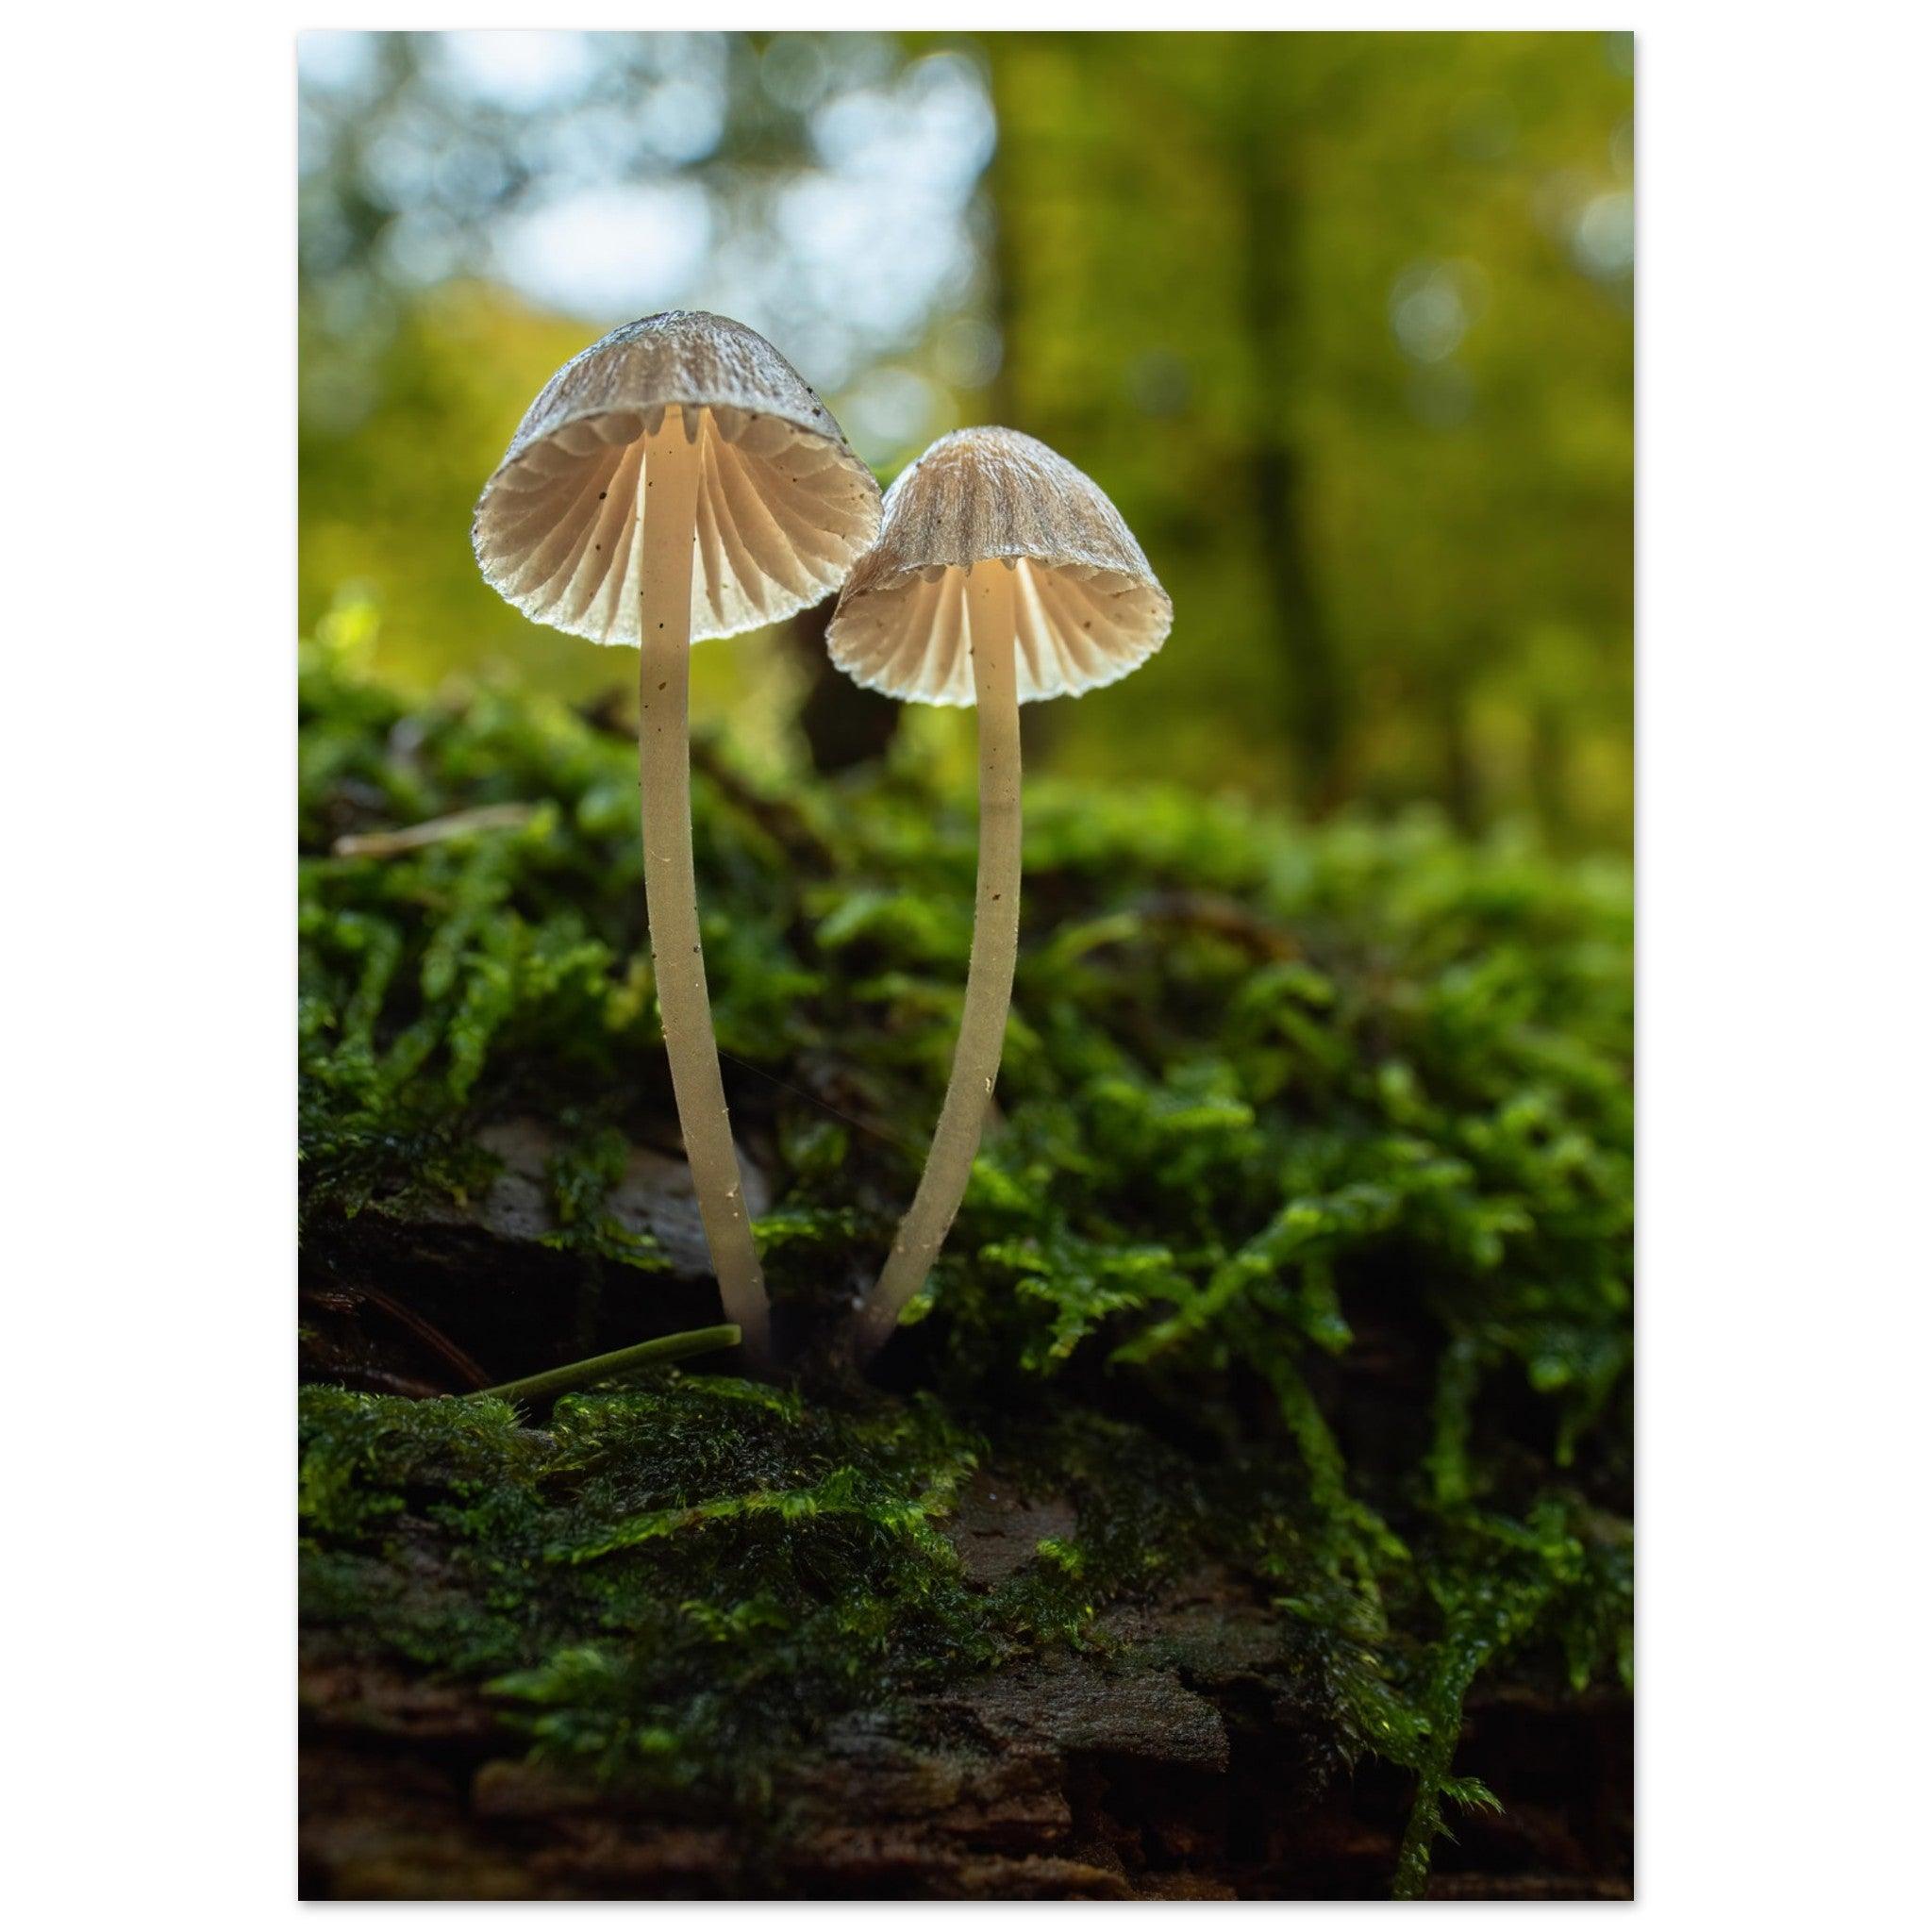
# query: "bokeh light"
1342,322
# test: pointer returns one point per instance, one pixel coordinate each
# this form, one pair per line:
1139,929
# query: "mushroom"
1002,575
678,480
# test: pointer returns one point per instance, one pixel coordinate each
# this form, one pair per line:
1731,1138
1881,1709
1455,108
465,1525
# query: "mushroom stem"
672,469
990,975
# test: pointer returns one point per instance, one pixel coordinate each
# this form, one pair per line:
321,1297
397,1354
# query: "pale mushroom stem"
672,466
990,975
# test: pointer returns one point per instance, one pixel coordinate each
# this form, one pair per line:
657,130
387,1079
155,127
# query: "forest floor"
1244,1512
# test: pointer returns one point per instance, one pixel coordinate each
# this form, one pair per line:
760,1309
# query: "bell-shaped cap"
784,506
1087,609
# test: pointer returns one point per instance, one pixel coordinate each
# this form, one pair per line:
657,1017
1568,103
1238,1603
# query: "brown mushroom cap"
784,506
1086,607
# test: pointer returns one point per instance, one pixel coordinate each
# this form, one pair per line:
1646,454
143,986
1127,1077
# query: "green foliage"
1285,1115
676,1583
1342,322
1362,387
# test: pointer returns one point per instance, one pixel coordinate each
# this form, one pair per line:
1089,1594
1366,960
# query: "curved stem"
989,976
600,1368
671,483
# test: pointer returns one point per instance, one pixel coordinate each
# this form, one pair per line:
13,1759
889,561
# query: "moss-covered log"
1248,1498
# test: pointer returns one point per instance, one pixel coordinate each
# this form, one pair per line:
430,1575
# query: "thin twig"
664,1348
456,824
427,1333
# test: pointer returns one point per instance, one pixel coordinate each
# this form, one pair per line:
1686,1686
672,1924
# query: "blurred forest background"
1341,322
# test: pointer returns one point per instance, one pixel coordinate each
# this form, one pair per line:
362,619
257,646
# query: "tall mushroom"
1002,575
682,439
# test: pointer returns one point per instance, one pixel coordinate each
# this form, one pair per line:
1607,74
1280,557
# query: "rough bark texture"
1182,1759
1187,1770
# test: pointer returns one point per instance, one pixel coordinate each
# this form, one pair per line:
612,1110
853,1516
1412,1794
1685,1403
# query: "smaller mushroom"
1002,575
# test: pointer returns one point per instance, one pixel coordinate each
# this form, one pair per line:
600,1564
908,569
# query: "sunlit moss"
1268,1092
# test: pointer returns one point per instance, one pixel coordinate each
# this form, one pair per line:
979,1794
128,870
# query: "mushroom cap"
1086,607
784,506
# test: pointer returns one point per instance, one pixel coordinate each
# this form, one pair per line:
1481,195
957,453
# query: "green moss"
1276,1102
680,1581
